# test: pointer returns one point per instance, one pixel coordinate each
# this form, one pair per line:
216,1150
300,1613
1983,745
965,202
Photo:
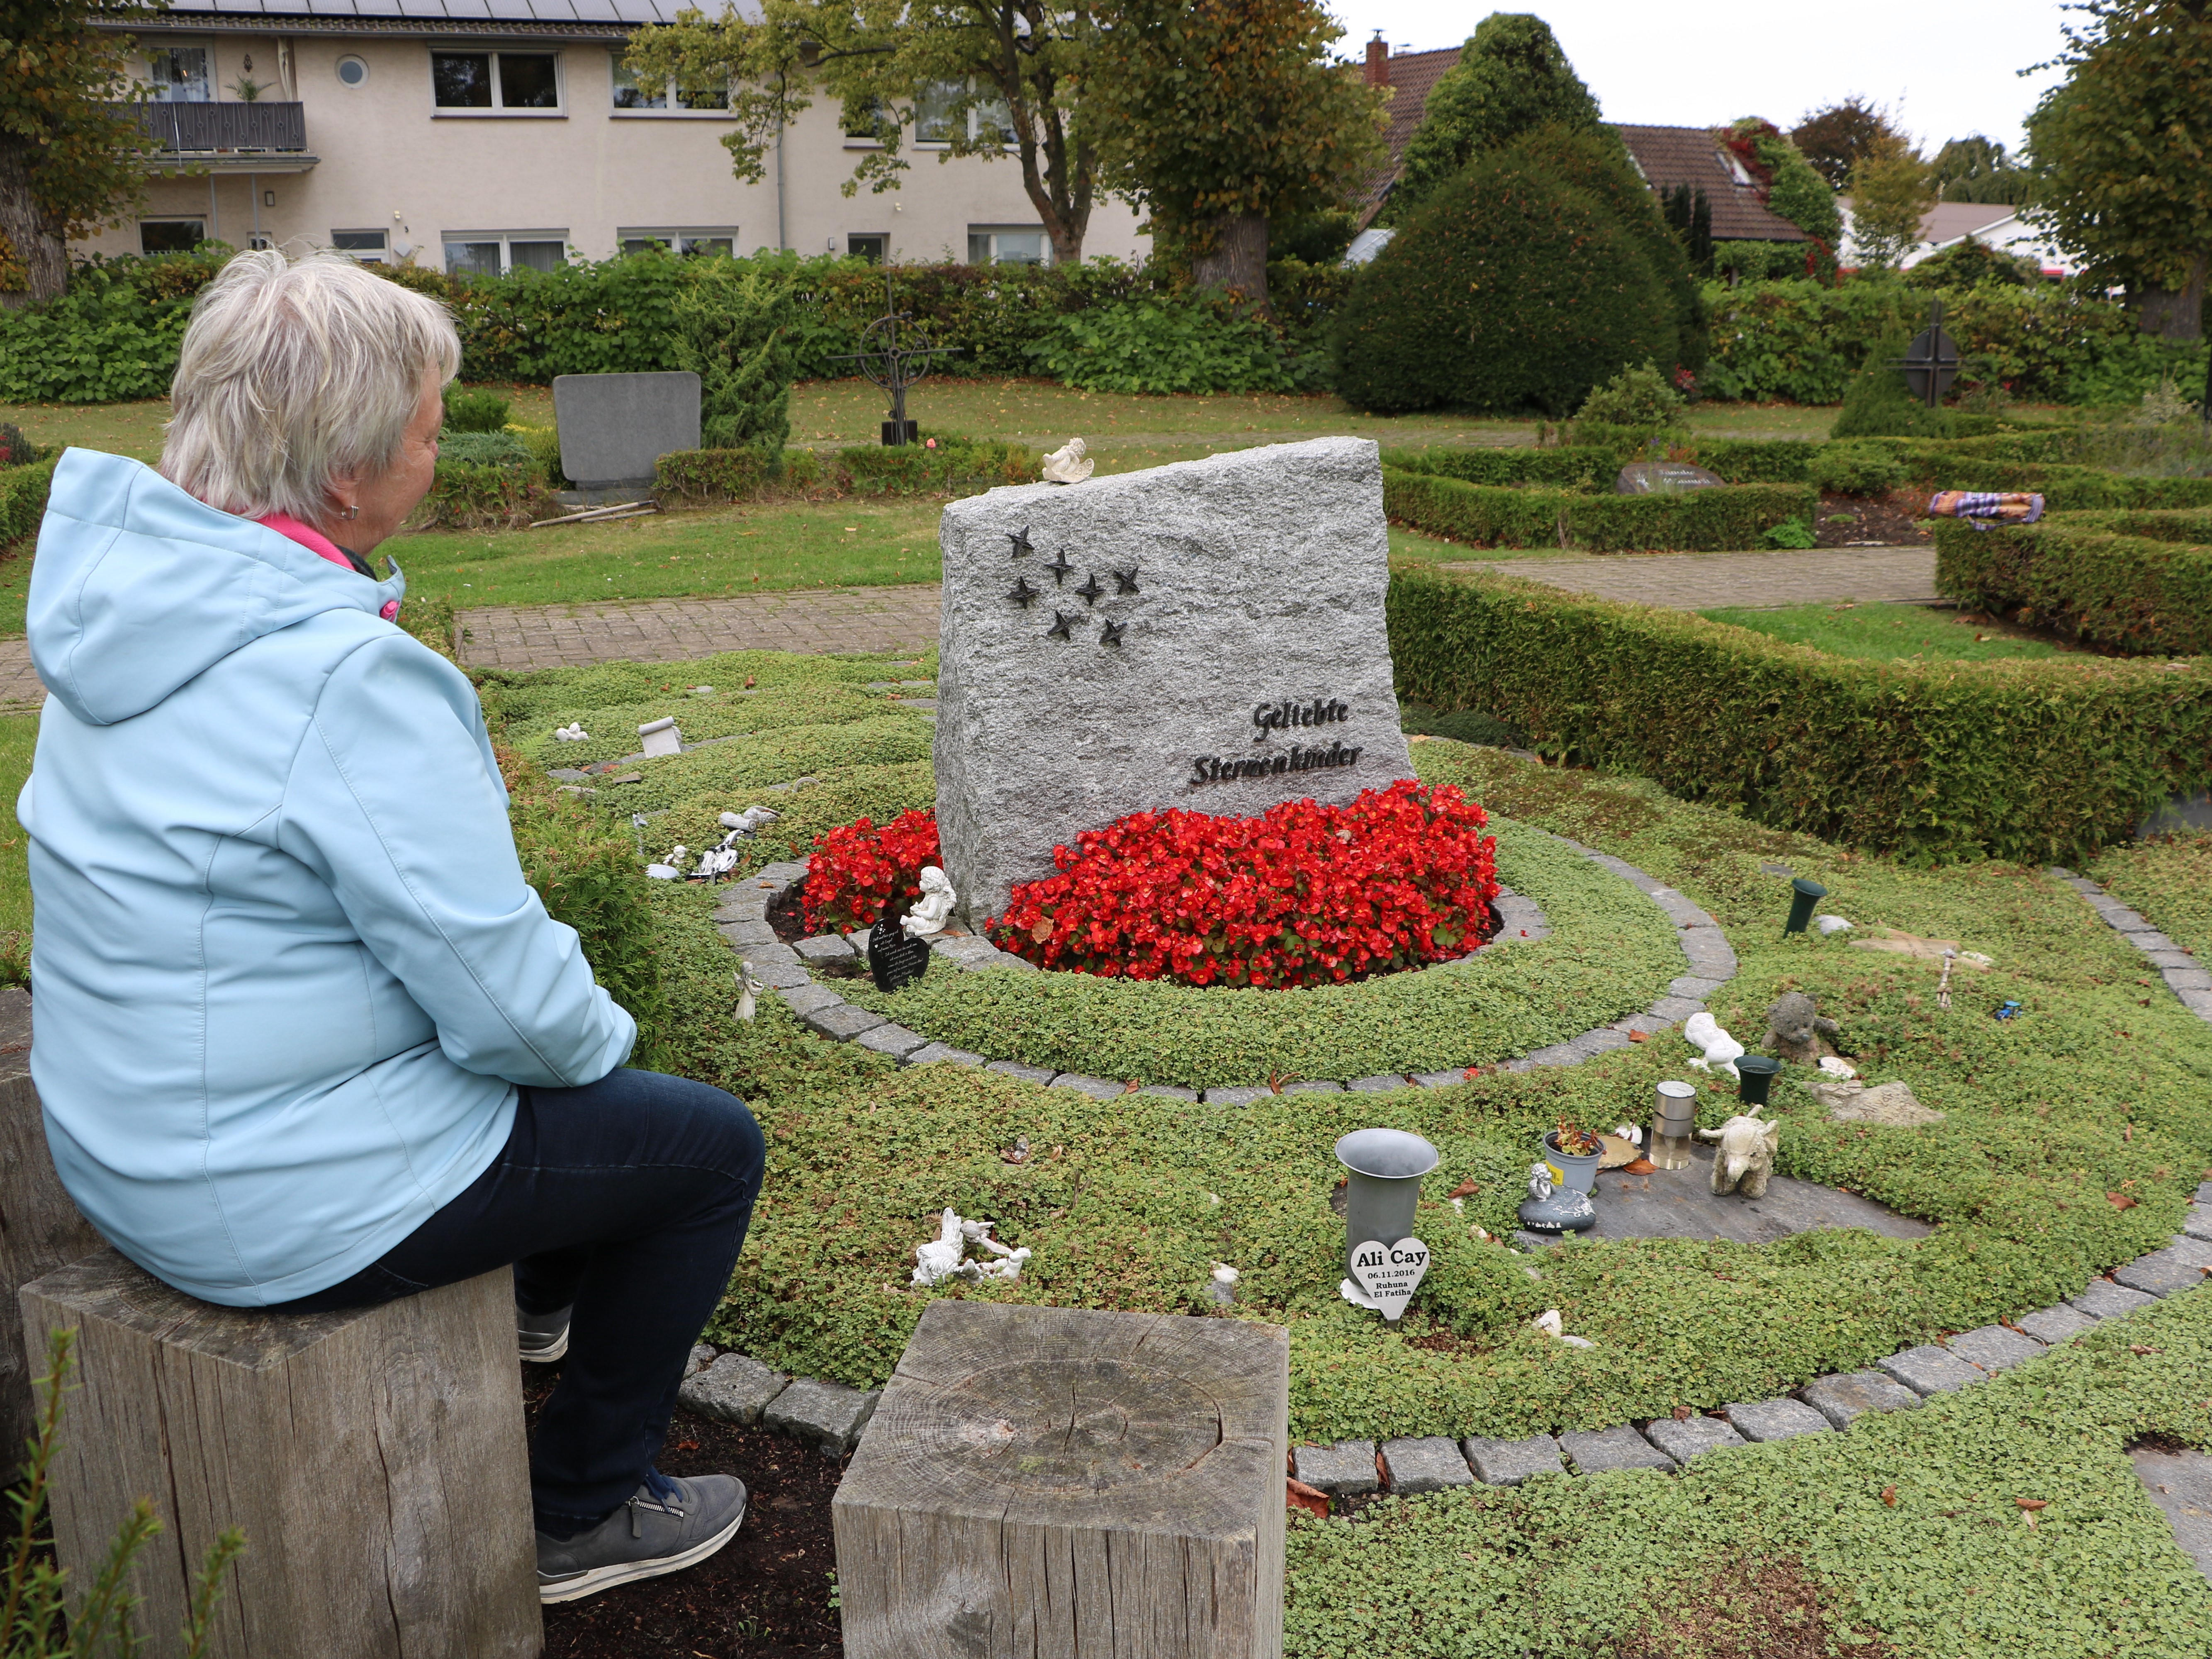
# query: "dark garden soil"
765,1595
1892,520
1769,1609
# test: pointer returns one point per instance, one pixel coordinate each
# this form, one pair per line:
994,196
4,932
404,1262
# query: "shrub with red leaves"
1306,895
859,871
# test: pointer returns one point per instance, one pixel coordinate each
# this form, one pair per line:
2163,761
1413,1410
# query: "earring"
353,513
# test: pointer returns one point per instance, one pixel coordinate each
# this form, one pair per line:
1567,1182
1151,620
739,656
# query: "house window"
1008,244
496,80
864,121
495,252
935,118
874,246
352,71
722,239
170,235
653,95
371,247
181,75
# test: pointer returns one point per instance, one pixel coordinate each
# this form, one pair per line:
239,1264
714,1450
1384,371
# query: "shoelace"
660,1496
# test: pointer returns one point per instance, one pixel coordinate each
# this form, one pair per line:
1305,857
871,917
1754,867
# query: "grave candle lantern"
1674,1120
1804,894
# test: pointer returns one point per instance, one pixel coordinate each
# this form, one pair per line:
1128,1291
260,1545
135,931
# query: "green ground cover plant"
1887,633
2168,879
1611,955
2032,760
2123,592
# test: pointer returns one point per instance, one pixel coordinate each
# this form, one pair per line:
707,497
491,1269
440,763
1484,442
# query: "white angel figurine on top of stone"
932,909
1069,464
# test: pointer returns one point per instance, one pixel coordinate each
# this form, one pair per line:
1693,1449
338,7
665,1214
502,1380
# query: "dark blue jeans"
627,1200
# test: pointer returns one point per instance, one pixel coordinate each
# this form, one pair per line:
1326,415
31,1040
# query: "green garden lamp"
1804,894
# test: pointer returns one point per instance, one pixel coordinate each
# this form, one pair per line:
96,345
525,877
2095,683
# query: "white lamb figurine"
1703,1031
940,1257
1745,1158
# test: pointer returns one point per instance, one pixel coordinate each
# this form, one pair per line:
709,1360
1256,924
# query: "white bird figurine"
1721,1051
1068,465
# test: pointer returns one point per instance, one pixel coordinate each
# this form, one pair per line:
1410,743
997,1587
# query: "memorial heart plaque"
894,958
1390,1273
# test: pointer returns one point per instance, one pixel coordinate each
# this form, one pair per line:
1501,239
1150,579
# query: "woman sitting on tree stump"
307,1038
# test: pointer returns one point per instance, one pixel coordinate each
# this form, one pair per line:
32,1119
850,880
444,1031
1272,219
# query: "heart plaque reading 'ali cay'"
1390,1273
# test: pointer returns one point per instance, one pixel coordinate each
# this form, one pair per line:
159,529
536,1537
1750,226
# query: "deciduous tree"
1510,79
1892,188
69,155
1834,140
2124,150
1217,113
1976,168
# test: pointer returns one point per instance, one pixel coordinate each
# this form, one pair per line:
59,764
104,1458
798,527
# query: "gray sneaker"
667,1525
543,1338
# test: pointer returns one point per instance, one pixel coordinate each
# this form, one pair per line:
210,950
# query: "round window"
352,70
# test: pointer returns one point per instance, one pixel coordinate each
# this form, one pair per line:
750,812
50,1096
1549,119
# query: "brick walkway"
1703,581
18,681
902,618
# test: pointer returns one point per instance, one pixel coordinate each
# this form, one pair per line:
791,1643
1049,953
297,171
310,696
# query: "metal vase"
1674,1120
1383,1185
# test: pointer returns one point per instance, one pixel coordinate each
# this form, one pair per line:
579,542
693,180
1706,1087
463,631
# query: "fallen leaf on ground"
1641,1166
2140,1351
2032,1503
1131,1086
1299,1496
1639,1036
1681,1413
1466,1188
2120,1200
1889,1496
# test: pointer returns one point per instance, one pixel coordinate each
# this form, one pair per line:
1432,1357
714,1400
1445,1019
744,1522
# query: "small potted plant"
1573,1153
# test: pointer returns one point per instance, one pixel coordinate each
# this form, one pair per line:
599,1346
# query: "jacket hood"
139,587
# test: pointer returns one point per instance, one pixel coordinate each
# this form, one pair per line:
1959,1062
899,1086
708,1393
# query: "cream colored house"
485,134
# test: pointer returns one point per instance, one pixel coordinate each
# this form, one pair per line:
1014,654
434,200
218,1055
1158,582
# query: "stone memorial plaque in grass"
1207,635
614,427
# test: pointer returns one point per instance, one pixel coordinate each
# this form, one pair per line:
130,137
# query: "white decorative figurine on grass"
1068,465
1745,1158
1722,1051
941,1259
932,909
572,732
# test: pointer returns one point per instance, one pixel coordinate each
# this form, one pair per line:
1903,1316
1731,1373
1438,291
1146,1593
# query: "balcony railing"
205,129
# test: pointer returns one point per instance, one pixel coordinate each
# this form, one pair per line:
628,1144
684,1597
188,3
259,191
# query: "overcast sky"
1946,67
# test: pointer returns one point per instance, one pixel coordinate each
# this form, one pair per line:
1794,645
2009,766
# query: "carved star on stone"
1021,541
1110,634
1022,593
1059,566
1090,591
1124,581
1061,623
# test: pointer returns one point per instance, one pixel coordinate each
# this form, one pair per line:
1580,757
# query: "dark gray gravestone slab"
1660,477
2180,1483
1682,1204
614,427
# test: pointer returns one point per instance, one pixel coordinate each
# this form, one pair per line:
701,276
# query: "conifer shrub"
1877,404
1514,287
735,328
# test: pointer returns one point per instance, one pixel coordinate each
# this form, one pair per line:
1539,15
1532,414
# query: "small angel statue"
931,910
748,990
1068,465
1540,1181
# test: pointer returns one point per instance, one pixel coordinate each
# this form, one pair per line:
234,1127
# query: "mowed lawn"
1892,633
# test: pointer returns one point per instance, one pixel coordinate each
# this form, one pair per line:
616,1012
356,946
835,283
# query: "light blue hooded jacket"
285,969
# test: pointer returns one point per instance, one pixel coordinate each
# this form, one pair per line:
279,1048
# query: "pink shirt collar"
315,542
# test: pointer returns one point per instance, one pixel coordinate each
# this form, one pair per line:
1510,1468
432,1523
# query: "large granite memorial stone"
614,428
1207,635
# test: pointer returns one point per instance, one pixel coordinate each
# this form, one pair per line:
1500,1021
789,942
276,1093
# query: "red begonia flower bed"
859,871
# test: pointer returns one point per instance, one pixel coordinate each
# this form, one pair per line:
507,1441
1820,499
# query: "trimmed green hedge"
2126,592
2036,760
1563,468
1693,519
954,466
23,498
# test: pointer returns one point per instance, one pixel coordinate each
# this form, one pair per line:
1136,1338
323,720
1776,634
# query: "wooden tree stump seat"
1055,1483
373,1458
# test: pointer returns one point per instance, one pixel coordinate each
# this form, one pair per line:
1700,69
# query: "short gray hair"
292,374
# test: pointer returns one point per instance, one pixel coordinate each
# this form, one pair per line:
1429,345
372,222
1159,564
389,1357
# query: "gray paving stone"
2054,1325
1693,986
1559,1054
830,1414
783,874
1930,1369
2188,979
751,906
824,947
1347,1468
1038,1074
2150,942
733,1388
781,976
1509,1462
891,1039
2198,1003
778,955
700,1357
2171,960
1313,1086
1099,1088
1690,1436
805,999
2203,1194
843,1022
1668,1010
1377,1086
2197,1224
1427,1465
2102,1299
747,932
1777,1420
931,1053
2180,1483
1171,1090
1602,1041
1598,1451
1236,1096
2178,1267
1442,1079
1993,1347
1843,1396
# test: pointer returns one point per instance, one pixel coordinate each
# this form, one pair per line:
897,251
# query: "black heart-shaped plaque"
893,958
